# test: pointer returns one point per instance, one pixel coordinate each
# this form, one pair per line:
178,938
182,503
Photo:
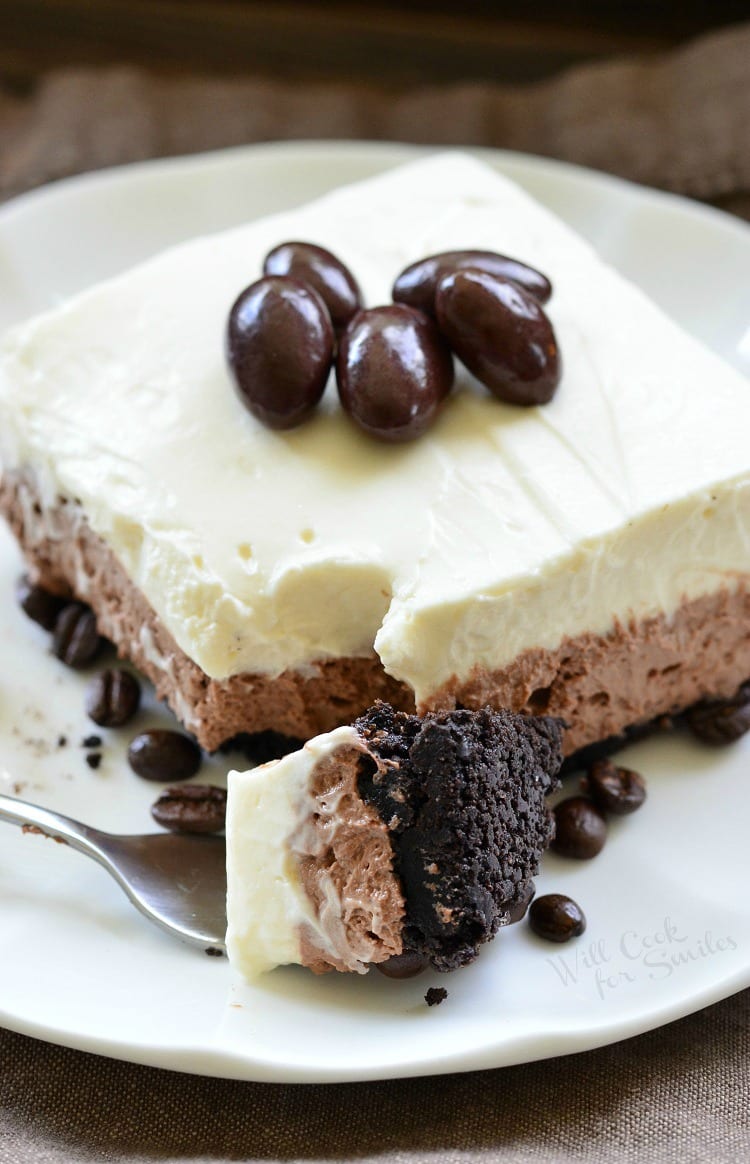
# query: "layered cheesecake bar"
397,842
589,558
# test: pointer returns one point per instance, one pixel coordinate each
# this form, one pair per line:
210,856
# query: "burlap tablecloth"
680,1094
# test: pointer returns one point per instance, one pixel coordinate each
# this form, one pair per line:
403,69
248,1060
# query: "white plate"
668,912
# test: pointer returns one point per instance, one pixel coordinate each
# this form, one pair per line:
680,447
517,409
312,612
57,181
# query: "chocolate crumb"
62,741
464,793
94,759
435,995
91,742
214,952
34,830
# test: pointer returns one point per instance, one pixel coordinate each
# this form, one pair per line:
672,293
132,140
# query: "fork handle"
53,824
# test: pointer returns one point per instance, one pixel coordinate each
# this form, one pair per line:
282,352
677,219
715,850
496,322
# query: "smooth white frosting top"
504,528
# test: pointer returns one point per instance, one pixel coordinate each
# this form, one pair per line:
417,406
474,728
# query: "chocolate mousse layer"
65,556
344,858
602,684
598,683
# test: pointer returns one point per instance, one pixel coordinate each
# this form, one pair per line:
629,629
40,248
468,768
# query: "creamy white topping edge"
267,905
503,529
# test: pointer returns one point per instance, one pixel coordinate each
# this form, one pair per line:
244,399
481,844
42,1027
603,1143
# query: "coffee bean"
556,917
502,335
280,349
721,721
191,808
76,640
405,965
321,270
393,371
517,909
112,698
613,789
39,604
164,756
417,284
580,829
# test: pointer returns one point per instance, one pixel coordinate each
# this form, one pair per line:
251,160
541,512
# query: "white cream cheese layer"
503,529
267,906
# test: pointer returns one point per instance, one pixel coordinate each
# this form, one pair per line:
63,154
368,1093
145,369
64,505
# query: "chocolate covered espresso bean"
405,965
556,918
164,756
619,791
393,371
518,909
721,721
279,345
580,829
321,270
417,284
502,335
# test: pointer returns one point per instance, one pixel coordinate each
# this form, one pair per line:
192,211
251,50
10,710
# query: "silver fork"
177,881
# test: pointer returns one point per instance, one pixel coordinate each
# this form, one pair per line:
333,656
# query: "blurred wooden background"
384,41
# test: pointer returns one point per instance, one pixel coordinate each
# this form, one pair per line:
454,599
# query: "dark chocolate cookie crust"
463,795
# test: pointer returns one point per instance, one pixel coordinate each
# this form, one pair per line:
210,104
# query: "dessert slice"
396,834
589,558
